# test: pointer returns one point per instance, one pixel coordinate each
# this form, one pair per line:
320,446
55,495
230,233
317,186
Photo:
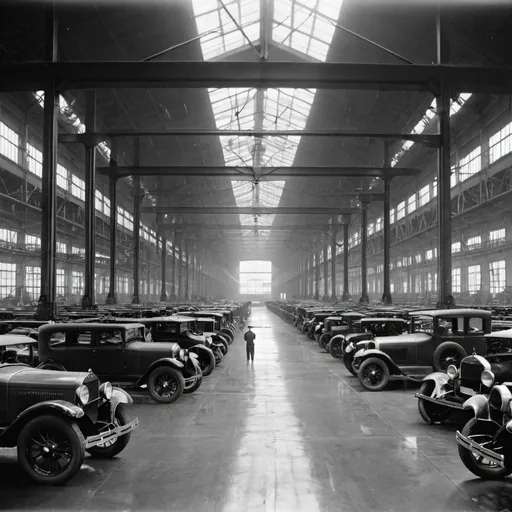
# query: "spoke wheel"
450,357
430,412
482,432
335,349
165,384
374,374
51,449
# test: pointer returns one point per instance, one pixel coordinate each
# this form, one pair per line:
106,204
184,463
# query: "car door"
109,354
77,351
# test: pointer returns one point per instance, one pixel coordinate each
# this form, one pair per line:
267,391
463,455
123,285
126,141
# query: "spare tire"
446,354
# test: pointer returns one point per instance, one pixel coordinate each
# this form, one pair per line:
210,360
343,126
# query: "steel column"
163,268
317,275
444,217
326,270
136,228
346,294
46,308
179,266
386,296
88,298
364,235
112,190
333,258
187,269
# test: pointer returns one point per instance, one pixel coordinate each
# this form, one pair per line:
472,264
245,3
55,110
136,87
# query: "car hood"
382,342
164,348
23,377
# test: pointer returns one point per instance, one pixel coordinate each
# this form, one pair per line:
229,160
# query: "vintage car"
442,393
16,348
332,325
485,442
119,352
54,418
221,326
438,339
180,330
366,329
350,323
206,327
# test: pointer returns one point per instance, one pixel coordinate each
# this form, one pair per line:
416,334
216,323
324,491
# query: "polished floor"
292,431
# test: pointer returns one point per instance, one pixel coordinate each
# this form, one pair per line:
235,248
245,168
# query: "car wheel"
446,354
349,364
165,384
51,365
335,348
194,387
218,356
374,374
324,340
224,346
206,359
51,449
117,445
430,412
481,431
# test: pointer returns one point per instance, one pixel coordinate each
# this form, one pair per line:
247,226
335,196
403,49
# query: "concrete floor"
291,432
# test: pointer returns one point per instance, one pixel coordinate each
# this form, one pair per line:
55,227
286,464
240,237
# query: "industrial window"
417,284
255,277
474,278
7,280
434,188
500,144
392,216
77,282
417,258
380,268
78,251
411,204
33,281
424,195
456,283
498,276
398,264
400,210
453,177
104,284
431,254
32,242
122,285
406,261
78,187
62,177
404,284
61,282
7,235
106,206
470,164
432,282
456,247
9,142
124,218
98,201
62,248
35,160
379,224
496,237
474,242
371,228
329,252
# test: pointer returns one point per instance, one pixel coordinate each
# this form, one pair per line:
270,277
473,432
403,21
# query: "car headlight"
499,398
452,372
184,354
487,378
83,394
106,390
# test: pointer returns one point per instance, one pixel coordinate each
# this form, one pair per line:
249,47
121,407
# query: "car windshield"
425,325
111,337
134,334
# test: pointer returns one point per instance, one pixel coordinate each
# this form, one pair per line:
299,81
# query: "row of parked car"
462,359
65,384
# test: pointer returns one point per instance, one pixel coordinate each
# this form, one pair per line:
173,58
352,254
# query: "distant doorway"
256,278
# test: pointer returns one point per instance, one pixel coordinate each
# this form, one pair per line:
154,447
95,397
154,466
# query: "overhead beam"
234,227
267,173
96,137
35,76
248,210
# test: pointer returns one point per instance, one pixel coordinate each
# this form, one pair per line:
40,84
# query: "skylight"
306,29
455,106
226,37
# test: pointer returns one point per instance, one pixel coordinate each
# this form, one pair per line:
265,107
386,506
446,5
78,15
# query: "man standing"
249,337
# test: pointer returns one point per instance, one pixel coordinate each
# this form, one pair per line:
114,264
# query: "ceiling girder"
249,210
268,173
35,76
205,228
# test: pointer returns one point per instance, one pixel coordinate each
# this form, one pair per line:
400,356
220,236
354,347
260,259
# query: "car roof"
69,326
453,312
353,313
149,319
383,319
206,312
507,333
15,339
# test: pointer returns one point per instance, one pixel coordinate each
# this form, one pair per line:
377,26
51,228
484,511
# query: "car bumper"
440,401
477,449
108,435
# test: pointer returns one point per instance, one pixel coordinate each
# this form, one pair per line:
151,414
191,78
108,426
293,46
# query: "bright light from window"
255,277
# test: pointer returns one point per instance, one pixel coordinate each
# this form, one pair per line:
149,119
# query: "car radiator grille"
24,399
470,373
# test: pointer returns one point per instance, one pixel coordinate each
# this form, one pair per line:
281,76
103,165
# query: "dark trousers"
250,351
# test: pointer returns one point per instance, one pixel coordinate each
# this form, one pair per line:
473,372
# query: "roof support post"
311,267
317,273
90,205
163,266
112,192
326,270
346,294
179,267
364,264
444,217
46,308
386,296
173,265
333,257
187,269
137,199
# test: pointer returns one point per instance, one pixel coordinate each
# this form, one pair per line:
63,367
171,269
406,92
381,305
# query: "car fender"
366,354
55,407
164,361
119,396
440,380
480,406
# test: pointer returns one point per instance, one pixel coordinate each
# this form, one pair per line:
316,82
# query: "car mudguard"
480,406
439,379
10,434
164,361
119,396
365,354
